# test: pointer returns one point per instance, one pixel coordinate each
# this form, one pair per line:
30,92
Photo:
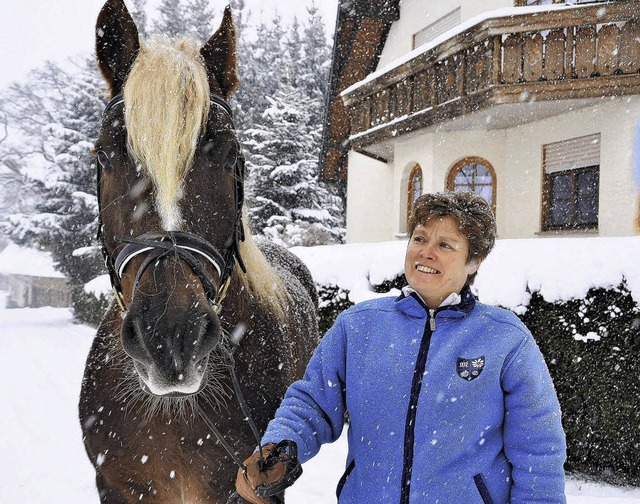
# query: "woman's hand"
270,473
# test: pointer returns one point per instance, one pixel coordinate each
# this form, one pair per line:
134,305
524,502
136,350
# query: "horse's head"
170,191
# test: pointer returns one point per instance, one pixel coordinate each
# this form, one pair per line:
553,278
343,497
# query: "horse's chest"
163,465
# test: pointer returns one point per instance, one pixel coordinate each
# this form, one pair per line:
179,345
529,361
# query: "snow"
42,459
42,356
16,260
559,268
99,286
38,30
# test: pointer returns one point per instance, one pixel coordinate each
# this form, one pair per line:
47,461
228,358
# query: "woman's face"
436,261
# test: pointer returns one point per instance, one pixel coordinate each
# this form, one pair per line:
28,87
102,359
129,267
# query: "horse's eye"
232,158
103,160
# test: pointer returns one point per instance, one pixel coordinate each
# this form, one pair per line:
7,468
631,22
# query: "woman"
449,400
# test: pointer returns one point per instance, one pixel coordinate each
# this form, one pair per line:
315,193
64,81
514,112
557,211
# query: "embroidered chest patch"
470,369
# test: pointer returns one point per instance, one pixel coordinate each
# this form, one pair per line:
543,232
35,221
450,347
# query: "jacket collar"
411,303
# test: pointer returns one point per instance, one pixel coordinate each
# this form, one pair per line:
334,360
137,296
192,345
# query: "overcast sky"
34,30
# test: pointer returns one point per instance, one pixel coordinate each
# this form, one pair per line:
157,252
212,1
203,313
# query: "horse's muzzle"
170,350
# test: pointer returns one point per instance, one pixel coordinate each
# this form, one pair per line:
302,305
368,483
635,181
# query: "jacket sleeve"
534,440
313,409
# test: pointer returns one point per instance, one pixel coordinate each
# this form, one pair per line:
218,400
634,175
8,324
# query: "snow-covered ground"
42,458
42,355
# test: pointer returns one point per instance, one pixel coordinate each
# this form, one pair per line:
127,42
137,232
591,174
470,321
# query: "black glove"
266,478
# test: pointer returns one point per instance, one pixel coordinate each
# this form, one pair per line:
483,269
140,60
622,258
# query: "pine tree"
260,67
58,116
292,53
316,63
139,14
171,20
185,17
200,16
287,202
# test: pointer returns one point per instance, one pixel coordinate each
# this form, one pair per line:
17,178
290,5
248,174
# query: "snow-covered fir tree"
58,115
48,125
185,17
169,21
139,14
315,66
260,67
200,16
287,202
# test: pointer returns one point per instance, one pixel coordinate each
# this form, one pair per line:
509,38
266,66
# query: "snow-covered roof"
16,260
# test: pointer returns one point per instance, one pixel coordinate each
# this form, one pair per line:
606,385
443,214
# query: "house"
534,104
30,279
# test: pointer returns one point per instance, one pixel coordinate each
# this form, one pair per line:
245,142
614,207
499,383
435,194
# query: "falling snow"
57,349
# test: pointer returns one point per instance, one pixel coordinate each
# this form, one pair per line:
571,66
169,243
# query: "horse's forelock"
166,107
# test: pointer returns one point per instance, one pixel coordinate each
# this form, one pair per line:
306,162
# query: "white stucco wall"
438,152
370,192
377,213
417,14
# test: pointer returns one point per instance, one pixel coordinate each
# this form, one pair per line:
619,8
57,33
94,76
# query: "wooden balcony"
501,72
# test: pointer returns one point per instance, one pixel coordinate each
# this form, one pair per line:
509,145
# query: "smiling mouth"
426,269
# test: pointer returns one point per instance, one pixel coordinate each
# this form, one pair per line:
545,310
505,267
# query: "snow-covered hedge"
592,347
580,298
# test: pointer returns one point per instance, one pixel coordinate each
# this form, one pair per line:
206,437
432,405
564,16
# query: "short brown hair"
472,213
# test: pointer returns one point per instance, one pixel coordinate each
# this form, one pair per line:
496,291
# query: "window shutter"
572,154
437,28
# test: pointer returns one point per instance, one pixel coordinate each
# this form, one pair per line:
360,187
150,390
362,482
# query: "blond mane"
261,280
166,98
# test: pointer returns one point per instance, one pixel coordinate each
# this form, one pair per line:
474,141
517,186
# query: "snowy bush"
332,301
591,346
90,308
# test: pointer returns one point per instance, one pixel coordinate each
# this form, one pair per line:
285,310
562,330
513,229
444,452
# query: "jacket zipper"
410,423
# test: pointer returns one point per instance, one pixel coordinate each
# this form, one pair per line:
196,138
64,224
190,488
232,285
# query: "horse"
198,300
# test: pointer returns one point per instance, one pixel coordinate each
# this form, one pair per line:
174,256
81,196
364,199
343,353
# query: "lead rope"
235,340
220,437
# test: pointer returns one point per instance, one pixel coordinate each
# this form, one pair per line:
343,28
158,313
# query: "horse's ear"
219,54
117,43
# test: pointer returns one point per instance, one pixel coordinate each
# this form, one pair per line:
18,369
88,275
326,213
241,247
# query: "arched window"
474,174
414,187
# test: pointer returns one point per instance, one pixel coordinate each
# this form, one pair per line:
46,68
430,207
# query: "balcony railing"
560,54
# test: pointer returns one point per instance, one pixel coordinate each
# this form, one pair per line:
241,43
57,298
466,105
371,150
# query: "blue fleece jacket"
448,406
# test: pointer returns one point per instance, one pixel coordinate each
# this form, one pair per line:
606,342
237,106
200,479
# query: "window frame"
415,171
546,200
474,160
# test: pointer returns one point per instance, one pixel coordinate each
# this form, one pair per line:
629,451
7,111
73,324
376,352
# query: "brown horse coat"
168,162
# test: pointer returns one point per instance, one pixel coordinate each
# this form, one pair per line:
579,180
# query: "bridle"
186,246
